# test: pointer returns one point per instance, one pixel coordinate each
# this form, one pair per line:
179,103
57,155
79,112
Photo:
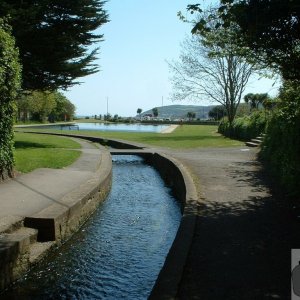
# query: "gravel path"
244,232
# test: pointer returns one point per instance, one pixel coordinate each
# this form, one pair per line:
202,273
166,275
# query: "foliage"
281,146
54,39
217,112
64,109
9,85
155,111
191,115
42,106
34,151
139,111
269,29
256,99
210,68
245,128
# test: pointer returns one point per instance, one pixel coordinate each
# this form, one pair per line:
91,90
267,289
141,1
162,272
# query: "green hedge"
245,128
9,83
281,147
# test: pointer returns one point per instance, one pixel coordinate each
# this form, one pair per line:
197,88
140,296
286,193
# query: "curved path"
29,193
244,233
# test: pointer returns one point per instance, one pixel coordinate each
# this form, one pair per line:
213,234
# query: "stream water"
119,252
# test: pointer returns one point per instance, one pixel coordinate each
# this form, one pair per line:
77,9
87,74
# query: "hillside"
180,111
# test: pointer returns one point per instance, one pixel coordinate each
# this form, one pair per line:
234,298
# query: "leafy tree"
155,111
217,112
191,115
41,104
9,84
64,109
211,68
256,99
139,111
54,37
270,29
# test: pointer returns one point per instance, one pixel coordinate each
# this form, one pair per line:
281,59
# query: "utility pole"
106,106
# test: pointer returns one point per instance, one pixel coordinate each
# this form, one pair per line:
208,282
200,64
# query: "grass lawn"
185,136
34,151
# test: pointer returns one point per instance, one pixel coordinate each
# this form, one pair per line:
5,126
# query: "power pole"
106,106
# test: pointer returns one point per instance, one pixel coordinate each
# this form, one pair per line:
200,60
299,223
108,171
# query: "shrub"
9,84
281,146
244,128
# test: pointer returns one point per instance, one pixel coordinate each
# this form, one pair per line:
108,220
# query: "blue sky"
139,38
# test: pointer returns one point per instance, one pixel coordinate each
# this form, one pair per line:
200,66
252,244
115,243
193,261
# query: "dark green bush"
245,128
281,147
9,84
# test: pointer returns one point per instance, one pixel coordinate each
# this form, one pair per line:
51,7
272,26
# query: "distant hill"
180,111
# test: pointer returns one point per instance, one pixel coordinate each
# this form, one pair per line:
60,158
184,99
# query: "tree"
255,99
9,84
54,37
270,29
191,115
41,104
139,111
64,109
155,112
211,68
217,112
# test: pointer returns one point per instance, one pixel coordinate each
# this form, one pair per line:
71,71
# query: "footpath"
241,248
244,231
29,193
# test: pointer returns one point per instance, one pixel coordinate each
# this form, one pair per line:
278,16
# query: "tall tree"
255,99
64,109
9,85
139,111
54,39
41,104
211,68
270,29
217,112
155,111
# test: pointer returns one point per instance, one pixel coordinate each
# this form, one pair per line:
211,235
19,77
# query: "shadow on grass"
28,145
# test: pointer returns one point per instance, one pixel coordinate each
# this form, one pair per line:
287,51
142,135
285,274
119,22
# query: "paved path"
169,129
29,193
244,233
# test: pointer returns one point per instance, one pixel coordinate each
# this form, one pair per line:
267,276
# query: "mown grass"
34,151
185,136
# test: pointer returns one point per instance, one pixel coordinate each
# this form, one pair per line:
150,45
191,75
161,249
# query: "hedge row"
245,128
281,147
9,84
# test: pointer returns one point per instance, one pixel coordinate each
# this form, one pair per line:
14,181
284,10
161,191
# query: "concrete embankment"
44,208
176,176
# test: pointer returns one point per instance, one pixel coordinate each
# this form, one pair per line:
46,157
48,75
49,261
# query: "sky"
140,38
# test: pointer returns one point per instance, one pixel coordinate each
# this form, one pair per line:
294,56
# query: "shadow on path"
242,243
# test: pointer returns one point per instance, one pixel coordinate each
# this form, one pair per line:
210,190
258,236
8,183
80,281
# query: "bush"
244,128
281,146
9,84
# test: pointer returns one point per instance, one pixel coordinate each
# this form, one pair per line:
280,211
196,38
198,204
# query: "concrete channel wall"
25,242
174,174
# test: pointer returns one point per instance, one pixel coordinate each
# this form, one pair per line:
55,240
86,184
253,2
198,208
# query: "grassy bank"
35,151
185,136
